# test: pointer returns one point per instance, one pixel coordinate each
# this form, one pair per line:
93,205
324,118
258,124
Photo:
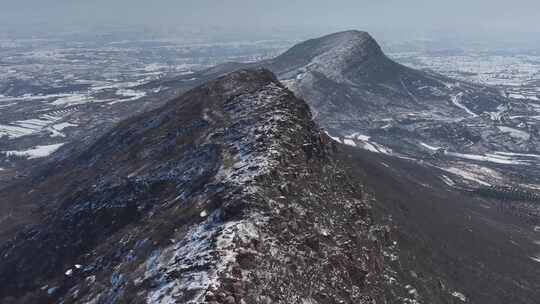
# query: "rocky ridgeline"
228,194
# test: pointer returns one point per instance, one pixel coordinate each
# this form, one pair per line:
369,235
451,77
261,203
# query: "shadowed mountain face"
449,241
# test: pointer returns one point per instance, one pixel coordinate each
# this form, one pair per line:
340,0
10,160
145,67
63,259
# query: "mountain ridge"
228,194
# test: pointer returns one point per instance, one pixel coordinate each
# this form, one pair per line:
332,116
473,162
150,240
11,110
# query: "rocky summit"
228,194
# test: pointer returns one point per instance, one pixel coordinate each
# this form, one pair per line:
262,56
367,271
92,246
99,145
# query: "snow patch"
536,258
518,154
375,147
456,100
37,152
349,142
467,175
522,96
362,137
63,125
206,252
448,181
430,147
519,134
131,95
334,138
493,158
73,99
55,129
27,127
460,296
14,131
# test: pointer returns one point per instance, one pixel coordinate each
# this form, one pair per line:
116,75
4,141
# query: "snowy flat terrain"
58,90
489,67
516,74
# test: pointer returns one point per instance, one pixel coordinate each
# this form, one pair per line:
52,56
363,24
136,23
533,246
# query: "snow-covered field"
43,123
61,73
364,142
516,75
487,67
519,134
65,89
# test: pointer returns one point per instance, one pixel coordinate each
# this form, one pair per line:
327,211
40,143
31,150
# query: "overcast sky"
495,16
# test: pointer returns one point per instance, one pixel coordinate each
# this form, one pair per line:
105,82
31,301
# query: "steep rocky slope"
228,194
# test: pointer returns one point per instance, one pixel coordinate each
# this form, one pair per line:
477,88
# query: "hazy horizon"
494,20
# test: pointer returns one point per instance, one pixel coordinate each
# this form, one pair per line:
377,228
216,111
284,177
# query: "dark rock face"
228,194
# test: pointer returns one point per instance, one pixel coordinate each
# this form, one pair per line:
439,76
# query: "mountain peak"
350,34
350,43
245,79
331,55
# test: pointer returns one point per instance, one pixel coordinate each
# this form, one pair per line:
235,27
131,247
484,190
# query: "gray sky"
489,16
